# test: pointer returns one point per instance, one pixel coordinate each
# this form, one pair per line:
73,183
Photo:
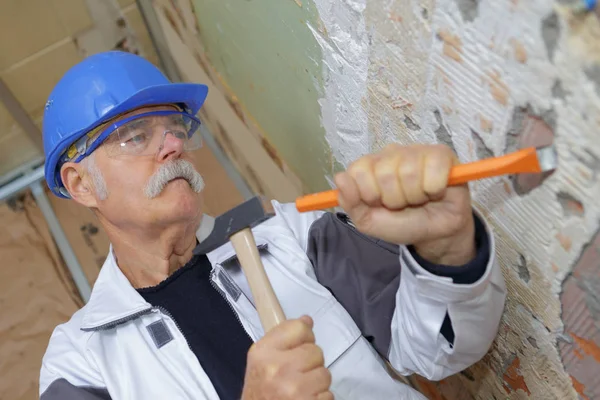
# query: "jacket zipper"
218,289
168,314
130,317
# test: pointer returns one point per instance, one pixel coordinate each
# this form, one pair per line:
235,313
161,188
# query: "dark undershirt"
218,339
208,323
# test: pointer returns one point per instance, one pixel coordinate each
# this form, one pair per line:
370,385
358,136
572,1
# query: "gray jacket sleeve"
363,273
61,389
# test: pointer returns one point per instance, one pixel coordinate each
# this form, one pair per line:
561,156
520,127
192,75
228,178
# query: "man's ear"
78,183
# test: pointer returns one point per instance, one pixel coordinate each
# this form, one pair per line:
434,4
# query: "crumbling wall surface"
483,76
486,77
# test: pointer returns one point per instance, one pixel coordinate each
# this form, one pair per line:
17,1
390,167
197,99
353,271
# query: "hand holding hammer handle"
267,305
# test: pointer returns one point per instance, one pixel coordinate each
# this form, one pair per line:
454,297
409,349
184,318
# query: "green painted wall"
270,59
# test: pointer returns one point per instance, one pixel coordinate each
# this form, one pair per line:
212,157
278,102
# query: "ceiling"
33,60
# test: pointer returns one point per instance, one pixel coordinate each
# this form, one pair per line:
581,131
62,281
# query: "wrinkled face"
141,175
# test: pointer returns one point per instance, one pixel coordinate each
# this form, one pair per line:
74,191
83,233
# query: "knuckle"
384,171
291,390
271,371
299,331
326,375
319,355
295,327
363,164
301,327
408,170
356,168
326,396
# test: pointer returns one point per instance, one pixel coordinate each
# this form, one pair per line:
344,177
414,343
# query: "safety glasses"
140,135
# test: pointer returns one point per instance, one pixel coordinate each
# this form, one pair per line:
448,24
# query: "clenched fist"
400,195
287,364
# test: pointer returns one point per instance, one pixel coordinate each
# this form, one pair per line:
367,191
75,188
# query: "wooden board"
258,163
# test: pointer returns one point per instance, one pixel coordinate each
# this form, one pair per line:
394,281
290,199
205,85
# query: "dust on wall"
476,75
484,77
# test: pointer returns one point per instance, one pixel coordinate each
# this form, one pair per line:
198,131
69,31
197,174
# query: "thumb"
349,197
307,320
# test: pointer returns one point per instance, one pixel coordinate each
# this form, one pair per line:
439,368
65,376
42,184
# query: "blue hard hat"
99,88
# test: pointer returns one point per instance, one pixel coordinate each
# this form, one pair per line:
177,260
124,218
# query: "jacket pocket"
335,331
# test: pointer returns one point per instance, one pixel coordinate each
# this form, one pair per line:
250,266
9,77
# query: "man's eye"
179,134
136,139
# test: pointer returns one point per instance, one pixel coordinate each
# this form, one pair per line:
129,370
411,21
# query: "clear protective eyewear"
140,135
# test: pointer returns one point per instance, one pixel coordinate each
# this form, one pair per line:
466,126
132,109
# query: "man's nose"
171,147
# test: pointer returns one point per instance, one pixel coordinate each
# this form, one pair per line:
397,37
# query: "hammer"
235,225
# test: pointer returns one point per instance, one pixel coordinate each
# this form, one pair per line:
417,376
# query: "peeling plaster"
468,9
593,73
410,124
581,292
571,206
441,133
344,41
522,269
498,86
558,91
481,149
550,33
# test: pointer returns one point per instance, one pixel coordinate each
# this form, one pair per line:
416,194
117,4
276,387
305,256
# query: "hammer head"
247,215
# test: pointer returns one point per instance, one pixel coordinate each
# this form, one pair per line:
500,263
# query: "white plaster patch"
344,42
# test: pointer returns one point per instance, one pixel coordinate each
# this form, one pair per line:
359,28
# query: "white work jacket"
393,311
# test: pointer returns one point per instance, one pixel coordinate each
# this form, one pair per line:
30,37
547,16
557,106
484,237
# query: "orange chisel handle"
522,161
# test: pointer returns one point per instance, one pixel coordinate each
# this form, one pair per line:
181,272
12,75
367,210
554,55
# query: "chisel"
528,160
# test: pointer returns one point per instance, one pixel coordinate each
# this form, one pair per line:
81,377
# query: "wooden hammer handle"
267,305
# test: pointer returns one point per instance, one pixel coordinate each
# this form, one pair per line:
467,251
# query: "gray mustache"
172,170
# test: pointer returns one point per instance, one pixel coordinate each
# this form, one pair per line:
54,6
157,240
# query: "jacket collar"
114,300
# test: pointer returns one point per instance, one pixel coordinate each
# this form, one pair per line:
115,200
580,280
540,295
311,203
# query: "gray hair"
96,175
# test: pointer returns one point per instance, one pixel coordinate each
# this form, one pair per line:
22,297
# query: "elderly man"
406,278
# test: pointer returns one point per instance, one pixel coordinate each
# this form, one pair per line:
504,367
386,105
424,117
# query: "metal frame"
20,115
28,176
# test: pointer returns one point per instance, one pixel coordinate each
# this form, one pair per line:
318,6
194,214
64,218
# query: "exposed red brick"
587,346
580,315
513,379
529,130
579,388
564,241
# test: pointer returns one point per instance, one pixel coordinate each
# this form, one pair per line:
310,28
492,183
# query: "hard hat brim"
192,95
